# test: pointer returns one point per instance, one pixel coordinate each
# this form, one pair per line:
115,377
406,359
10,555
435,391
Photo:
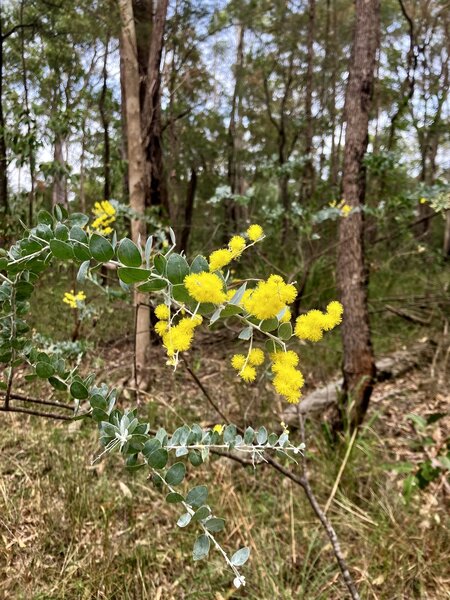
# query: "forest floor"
73,530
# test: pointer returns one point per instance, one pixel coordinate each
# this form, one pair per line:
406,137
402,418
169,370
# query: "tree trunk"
188,211
32,158
104,116
156,192
359,365
234,143
136,174
446,248
59,180
307,187
3,158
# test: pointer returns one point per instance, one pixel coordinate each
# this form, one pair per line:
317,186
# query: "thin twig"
23,398
35,413
205,391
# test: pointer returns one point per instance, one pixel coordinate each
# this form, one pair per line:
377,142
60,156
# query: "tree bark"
446,248
156,192
136,174
234,143
359,364
59,195
3,158
307,188
188,211
104,116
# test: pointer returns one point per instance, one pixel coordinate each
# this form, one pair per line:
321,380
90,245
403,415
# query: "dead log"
389,367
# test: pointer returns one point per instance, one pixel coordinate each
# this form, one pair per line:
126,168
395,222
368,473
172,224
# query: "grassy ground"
73,530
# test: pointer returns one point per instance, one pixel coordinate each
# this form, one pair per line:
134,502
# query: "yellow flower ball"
162,312
256,357
255,232
248,373
236,245
219,259
205,287
237,361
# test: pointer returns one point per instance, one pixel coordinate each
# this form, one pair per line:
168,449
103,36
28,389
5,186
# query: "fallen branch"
389,367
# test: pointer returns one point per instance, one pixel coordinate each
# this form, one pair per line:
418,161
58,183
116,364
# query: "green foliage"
60,236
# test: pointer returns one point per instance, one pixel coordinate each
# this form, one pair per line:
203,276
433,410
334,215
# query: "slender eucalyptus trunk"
308,175
59,180
234,142
188,211
104,116
136,174
156,190
3,157
359,365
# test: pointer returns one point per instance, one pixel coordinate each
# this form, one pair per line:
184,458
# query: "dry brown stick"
23,398
407,315
205,392
35,413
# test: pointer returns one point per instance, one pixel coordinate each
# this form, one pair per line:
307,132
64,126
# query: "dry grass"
70,530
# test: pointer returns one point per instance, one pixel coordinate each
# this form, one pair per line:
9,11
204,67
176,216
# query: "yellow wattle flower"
106,215
255,232
219,259
162,312
269,297
236,245
205,287
256,357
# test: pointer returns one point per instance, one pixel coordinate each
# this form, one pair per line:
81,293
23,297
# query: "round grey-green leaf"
101,249
45,217
202,513
174,498
154,285
201,547
184,520
215,524
199,265
176,473
197,495
269,324
61,250
57,384
128,253
240,557
177,268
158,458
133,274
285,331
78,390
44,370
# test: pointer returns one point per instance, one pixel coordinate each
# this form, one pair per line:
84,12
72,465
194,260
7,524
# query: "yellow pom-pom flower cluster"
236,246
179,337
162,312
312,325
287,380
246,365
255,233
106,215
269,297
74,300
205,287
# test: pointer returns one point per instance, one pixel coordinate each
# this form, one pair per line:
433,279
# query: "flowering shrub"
187,296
